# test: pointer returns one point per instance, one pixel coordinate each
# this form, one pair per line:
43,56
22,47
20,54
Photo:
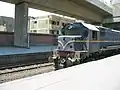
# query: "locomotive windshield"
73,29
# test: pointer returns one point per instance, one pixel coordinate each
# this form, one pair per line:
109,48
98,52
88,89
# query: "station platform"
33,49
97,75
10,56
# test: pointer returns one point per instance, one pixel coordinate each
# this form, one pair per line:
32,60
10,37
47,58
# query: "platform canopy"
88,10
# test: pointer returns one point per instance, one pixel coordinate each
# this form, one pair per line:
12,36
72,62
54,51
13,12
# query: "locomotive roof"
108,29
115,30
89,26
103,27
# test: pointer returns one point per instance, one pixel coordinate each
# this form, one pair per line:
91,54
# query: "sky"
8,10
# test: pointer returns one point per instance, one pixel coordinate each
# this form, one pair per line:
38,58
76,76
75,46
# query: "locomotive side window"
94,35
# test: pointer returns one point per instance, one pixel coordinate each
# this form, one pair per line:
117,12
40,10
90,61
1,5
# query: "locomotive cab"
75,43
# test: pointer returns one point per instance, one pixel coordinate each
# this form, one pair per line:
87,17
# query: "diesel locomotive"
81,40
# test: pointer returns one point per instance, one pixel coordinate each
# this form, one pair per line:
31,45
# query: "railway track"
15,65
10,73
24,71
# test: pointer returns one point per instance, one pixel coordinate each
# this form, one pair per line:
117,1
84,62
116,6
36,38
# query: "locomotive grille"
65,53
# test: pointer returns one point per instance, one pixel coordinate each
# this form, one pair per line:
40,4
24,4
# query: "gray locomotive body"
80,40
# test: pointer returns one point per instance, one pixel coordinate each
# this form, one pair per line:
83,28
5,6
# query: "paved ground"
33,49
97,75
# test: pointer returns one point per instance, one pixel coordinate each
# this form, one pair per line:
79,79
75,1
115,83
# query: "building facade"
3,28
6,24
50,24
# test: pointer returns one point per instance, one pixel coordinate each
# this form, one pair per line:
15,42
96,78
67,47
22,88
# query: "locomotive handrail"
72,41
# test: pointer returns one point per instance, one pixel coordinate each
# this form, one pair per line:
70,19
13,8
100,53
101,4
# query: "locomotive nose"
68,43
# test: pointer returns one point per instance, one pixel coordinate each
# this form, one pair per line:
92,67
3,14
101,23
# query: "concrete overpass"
80,9
88,10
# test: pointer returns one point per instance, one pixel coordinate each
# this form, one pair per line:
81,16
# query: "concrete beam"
21,35
98,5
88,10
66,7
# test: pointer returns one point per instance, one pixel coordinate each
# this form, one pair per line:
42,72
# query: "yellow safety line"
94,41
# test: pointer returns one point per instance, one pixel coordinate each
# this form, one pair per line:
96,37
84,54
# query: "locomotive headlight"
71,46
64,38
58,47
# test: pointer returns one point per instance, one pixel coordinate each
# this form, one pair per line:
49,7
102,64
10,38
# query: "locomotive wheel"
68,63
59,63
77,62
60,66
50,59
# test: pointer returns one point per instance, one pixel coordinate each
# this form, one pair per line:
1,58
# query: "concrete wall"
7,39
37,39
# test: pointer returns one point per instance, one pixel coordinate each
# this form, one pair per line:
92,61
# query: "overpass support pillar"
21,35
